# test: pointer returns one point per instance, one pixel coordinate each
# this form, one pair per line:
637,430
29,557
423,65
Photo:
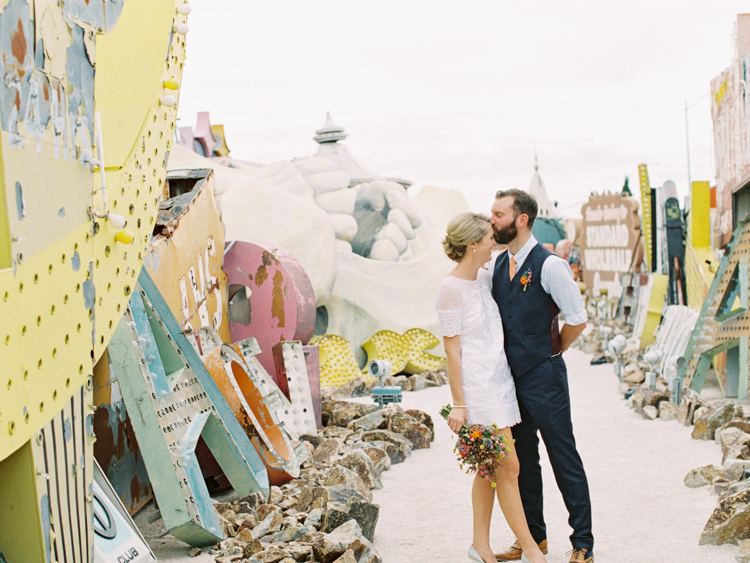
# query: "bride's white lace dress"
467,308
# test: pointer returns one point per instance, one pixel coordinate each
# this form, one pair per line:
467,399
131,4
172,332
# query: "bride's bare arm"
452,345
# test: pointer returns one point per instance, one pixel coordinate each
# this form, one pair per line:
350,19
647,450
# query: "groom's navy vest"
529,317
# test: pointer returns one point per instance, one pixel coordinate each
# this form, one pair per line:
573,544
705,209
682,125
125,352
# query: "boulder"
340,475
718,419
400,380
421,417
272,554
328,449
370,421
336,432
269,525
650,413
403,446
634,377
358,461
346,537
438,377
313,518
730,522
667,410
700,431
379,457
347,557
418,383
339,413
702,476
300,551
292,533
736,451
252,547
743,554
413,430
365,513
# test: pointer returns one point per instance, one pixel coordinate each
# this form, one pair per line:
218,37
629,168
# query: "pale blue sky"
460,94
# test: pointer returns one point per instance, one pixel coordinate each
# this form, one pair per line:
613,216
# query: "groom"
531,285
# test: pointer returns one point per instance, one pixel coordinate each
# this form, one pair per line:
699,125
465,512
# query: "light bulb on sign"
185,9
125,237
169,100
117,221
182,28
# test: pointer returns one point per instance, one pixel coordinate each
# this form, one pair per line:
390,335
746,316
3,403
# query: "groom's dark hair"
523,202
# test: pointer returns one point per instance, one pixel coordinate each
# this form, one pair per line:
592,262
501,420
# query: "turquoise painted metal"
724,321
172,401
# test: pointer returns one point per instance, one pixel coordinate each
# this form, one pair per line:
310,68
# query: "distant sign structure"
610,237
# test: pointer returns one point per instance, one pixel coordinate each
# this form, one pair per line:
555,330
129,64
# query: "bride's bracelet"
459,406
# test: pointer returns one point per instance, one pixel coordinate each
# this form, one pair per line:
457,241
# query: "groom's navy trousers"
532,344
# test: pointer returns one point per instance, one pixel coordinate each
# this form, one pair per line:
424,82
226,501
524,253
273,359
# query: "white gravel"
642,510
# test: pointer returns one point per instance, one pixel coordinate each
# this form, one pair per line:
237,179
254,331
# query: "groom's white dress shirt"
557,280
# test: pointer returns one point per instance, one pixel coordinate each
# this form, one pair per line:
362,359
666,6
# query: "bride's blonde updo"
462,231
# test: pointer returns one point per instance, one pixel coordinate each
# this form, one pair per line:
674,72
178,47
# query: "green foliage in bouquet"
480,448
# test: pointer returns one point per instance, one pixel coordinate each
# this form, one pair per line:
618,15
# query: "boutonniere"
526,279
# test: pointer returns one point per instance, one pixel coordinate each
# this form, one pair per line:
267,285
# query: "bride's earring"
474,249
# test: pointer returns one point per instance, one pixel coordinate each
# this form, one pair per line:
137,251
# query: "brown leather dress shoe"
513,553
580,555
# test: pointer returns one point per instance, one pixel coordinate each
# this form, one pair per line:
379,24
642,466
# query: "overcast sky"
462,94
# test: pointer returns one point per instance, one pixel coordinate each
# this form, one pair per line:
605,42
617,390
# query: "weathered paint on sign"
176,402
185,256
255,400
270,297
724,321
608,241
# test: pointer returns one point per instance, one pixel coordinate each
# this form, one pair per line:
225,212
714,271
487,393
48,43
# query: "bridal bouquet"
479,447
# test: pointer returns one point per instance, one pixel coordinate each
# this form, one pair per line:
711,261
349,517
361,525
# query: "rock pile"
327,514
358,387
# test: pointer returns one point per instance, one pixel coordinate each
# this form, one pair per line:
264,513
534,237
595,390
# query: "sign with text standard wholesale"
609,239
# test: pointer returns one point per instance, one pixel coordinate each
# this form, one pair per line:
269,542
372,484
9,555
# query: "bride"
480,379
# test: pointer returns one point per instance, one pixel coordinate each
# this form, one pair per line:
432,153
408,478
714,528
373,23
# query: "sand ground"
642,511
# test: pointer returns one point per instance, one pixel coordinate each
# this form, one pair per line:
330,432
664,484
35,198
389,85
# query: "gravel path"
642,511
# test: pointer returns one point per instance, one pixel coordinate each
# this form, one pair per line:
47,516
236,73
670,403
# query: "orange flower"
523,280
476,434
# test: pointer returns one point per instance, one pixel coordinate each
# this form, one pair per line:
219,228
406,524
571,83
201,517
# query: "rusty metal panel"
187,252
116,448
270,297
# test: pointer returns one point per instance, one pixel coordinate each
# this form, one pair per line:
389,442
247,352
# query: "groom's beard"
506,235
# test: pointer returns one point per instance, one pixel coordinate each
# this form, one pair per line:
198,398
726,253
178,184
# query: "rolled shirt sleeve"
557,280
